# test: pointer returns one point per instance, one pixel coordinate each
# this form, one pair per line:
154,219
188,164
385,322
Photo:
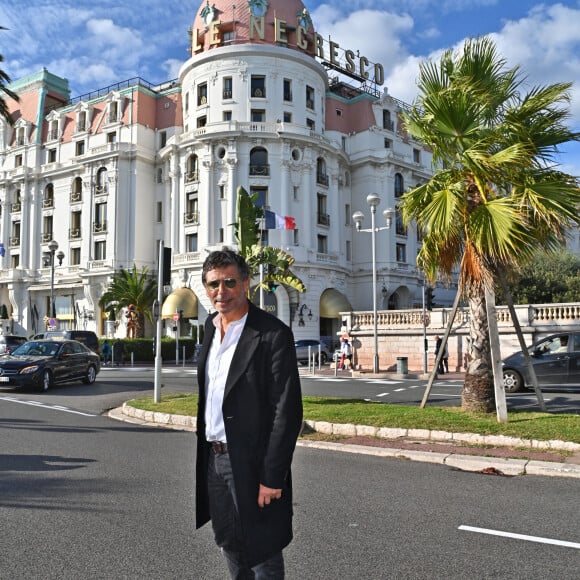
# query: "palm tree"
274,262
496,194
4,80
131,287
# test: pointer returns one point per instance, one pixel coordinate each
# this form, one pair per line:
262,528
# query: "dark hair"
222,259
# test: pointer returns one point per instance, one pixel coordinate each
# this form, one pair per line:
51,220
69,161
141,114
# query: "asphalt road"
117,385
84,496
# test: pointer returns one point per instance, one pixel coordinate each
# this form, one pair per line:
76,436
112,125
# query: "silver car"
302,347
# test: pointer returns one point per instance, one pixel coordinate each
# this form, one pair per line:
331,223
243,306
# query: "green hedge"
142,348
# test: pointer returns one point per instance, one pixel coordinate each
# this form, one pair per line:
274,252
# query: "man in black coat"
249,417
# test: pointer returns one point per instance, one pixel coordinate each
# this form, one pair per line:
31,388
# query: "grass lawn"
526,425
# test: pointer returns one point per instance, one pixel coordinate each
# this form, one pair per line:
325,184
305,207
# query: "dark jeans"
227,527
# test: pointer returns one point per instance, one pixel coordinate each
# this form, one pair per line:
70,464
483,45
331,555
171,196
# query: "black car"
40,364
556,361
87,337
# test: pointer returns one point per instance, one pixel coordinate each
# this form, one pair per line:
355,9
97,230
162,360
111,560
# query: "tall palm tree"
4,80
496,194
131,287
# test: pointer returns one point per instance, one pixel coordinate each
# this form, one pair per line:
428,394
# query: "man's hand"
267,494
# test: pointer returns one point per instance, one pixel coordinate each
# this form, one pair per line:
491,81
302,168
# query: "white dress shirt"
219,360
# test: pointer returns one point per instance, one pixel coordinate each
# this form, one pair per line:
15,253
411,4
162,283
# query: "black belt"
218,447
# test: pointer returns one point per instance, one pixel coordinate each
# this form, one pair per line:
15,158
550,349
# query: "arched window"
77,190
259,161
192,169
321,175
102,180
399,185
48,196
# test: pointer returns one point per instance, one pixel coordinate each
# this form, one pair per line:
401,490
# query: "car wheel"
46,381
323,358
90,376
512,381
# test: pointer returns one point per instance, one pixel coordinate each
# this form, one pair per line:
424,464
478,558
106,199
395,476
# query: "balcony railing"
389,125
101,189
53,135
260,169
100,227
48,203
227,93
322,178
191,218
323,219
192,176
45,237
16,207
14,241
74,233
76,196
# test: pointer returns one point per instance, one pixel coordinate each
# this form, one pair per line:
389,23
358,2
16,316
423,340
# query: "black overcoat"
262,412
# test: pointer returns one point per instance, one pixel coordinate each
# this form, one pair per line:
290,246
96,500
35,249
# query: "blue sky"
101,42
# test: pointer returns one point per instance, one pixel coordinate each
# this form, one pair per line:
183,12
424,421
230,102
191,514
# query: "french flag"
273,221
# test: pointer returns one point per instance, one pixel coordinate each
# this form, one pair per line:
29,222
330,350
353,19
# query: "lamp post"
373,200
53,247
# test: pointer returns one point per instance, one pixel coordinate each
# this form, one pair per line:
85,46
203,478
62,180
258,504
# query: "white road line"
382,394
53,407
382,382
399,390
521,537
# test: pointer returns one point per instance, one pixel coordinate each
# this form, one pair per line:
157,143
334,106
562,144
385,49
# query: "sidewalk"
435,447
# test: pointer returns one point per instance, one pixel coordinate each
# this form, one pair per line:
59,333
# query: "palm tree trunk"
478,393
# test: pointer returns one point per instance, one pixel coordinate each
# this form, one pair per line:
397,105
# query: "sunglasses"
215,284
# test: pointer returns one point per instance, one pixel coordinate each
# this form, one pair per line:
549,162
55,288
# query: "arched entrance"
332,303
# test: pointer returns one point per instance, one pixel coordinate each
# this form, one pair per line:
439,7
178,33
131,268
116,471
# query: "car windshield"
33,348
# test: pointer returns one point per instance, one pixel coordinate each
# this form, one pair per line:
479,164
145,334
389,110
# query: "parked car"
8,342
87,337
42,363
556,361
302,350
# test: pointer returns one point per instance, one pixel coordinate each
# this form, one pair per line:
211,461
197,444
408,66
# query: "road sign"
52,322
176,316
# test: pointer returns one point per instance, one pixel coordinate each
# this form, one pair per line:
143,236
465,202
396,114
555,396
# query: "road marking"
521,537
382,394
381,382
399,390
53,407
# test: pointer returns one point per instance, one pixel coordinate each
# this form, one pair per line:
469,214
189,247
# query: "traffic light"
429,298
166,267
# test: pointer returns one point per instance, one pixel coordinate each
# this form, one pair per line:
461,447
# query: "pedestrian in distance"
106,352
249,418
445,359
345,354
438,342
118,352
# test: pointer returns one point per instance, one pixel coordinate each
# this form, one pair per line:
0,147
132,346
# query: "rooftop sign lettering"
295,34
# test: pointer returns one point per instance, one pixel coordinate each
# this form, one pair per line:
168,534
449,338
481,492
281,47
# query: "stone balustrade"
402,333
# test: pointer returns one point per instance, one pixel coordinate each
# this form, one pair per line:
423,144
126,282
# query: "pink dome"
228,22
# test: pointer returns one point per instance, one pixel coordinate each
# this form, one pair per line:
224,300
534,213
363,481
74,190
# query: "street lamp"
53,247
373,200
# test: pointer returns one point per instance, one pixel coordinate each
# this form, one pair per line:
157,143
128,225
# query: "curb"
500,465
